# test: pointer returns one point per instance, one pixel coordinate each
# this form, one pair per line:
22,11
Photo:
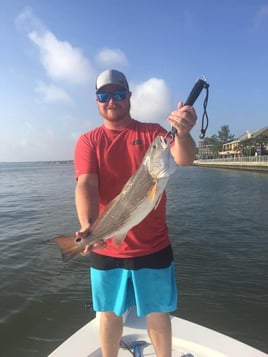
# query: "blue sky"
52,51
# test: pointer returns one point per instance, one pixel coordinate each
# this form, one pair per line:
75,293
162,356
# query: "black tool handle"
197,88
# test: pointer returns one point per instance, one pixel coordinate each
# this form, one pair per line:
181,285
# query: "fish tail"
68,247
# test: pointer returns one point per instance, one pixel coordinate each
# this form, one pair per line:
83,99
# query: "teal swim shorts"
149,289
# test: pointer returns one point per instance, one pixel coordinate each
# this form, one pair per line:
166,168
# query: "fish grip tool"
200,84
135,347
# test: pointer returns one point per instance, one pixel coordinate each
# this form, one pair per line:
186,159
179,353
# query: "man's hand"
83,233
183,119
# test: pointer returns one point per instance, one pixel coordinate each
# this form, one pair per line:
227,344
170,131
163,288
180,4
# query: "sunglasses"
117,95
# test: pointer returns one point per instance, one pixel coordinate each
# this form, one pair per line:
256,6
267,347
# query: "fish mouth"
164,143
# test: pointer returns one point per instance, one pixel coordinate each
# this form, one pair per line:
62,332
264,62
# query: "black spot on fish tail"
69,246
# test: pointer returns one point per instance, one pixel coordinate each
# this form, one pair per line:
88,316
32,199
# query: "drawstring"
205,114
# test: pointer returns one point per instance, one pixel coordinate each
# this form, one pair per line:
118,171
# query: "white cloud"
37,146
39,139
27,21
108,57
29,125
61,60
52,93
151,101
261,16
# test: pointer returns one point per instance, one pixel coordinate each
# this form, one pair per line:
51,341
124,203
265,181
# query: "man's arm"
87,199
87,207
183,150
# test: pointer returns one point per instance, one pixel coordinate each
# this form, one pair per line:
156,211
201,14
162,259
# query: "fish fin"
69,246
118,239
158,201
153,192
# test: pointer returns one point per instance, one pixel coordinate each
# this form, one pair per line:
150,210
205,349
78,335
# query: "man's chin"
114,118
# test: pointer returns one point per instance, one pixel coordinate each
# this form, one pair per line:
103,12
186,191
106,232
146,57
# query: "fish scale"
119,212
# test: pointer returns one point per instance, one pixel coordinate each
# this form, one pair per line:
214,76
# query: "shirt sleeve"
85,158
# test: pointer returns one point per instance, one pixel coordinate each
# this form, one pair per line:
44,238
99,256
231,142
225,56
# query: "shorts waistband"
158,260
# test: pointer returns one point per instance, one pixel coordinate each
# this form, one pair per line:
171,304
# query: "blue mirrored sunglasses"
117,95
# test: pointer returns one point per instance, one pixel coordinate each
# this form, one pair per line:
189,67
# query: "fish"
138,197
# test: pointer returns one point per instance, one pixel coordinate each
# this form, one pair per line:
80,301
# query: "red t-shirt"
115,156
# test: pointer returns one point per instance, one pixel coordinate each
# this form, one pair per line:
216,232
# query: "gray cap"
111,76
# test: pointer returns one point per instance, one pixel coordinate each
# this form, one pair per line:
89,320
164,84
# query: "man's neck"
118,125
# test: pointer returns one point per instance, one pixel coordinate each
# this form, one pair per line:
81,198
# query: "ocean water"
218,222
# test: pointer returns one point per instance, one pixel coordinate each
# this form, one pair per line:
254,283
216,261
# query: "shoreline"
257,164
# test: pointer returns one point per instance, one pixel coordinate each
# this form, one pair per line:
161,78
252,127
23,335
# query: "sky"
52,51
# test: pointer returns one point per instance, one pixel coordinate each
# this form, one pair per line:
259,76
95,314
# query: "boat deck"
189,340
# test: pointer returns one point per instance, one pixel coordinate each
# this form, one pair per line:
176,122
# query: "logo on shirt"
136,142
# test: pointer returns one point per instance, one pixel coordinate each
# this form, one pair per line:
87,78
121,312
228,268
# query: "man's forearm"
184,150
87,203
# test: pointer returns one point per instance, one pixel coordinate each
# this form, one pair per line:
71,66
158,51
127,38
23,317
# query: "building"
231,149
248,144
205,151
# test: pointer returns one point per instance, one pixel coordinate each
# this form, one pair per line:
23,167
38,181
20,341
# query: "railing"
243,159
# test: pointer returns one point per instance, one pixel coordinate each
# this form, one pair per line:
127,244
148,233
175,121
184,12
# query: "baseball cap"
111,76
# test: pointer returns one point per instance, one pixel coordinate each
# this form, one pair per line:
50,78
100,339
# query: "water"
218,222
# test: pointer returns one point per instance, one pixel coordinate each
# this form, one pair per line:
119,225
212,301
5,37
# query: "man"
140,271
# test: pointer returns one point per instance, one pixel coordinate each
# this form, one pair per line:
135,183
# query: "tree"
216,141
224,136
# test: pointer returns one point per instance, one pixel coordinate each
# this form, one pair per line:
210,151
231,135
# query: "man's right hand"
83,233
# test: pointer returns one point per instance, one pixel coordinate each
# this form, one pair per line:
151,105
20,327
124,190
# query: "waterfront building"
251,143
